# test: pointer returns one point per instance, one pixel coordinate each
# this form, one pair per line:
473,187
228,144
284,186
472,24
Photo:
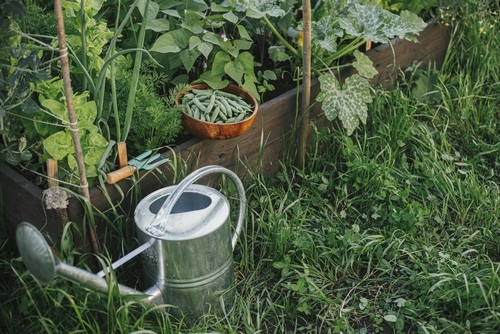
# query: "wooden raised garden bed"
22,200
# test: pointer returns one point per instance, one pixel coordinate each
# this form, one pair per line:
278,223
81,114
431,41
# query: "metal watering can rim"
157,226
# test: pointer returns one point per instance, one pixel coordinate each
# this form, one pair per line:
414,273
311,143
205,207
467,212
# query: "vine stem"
281,38
63,50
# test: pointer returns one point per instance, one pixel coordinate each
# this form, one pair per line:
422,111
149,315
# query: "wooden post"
306,84
73,122
52,173
122,154
368,46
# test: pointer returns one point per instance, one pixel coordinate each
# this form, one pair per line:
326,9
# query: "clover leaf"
349,103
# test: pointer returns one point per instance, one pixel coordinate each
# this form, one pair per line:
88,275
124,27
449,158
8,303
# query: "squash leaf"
257,8
378,25
349,103
364,65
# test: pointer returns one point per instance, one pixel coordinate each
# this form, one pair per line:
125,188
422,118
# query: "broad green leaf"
246,59
171,12
29,107
249,85
56,108
165,44
72,163
95,140
59,145
214,81
348,103
269,75
377,24
278,53
217,8
241,44
91,171
26,155
153,9
194,27
230,16
87,126
426,89
205,48
159,25
95,146
235,70
210,37
390,318
172,41
43,124
244,33
364,65
87,112
194,41
188,57
220,60
198,5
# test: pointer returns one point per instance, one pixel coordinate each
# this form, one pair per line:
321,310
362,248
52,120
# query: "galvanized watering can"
186,250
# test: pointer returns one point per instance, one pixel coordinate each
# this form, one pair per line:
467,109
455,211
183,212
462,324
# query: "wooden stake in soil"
52,172
56,198
368,45
63,50
306,83
122,154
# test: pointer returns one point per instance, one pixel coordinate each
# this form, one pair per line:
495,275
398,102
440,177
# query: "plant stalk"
135,76
71,113
281,38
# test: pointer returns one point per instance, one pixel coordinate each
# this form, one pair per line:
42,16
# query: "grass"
392,230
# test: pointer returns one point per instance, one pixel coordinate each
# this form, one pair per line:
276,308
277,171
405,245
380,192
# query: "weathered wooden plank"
22,201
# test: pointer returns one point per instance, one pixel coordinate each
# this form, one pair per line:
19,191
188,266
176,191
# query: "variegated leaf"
364,65
378,25
257,8
349,103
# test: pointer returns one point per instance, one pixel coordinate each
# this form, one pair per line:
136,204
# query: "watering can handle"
168,205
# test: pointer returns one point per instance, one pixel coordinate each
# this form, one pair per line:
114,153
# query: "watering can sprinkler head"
44,266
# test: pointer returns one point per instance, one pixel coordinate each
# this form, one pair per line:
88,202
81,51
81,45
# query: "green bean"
188,110
215,114
199,104
239,118
210,104
227,107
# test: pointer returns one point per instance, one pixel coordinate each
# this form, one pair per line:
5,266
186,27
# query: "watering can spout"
44,266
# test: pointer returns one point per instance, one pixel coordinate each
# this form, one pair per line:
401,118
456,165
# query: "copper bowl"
209,130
